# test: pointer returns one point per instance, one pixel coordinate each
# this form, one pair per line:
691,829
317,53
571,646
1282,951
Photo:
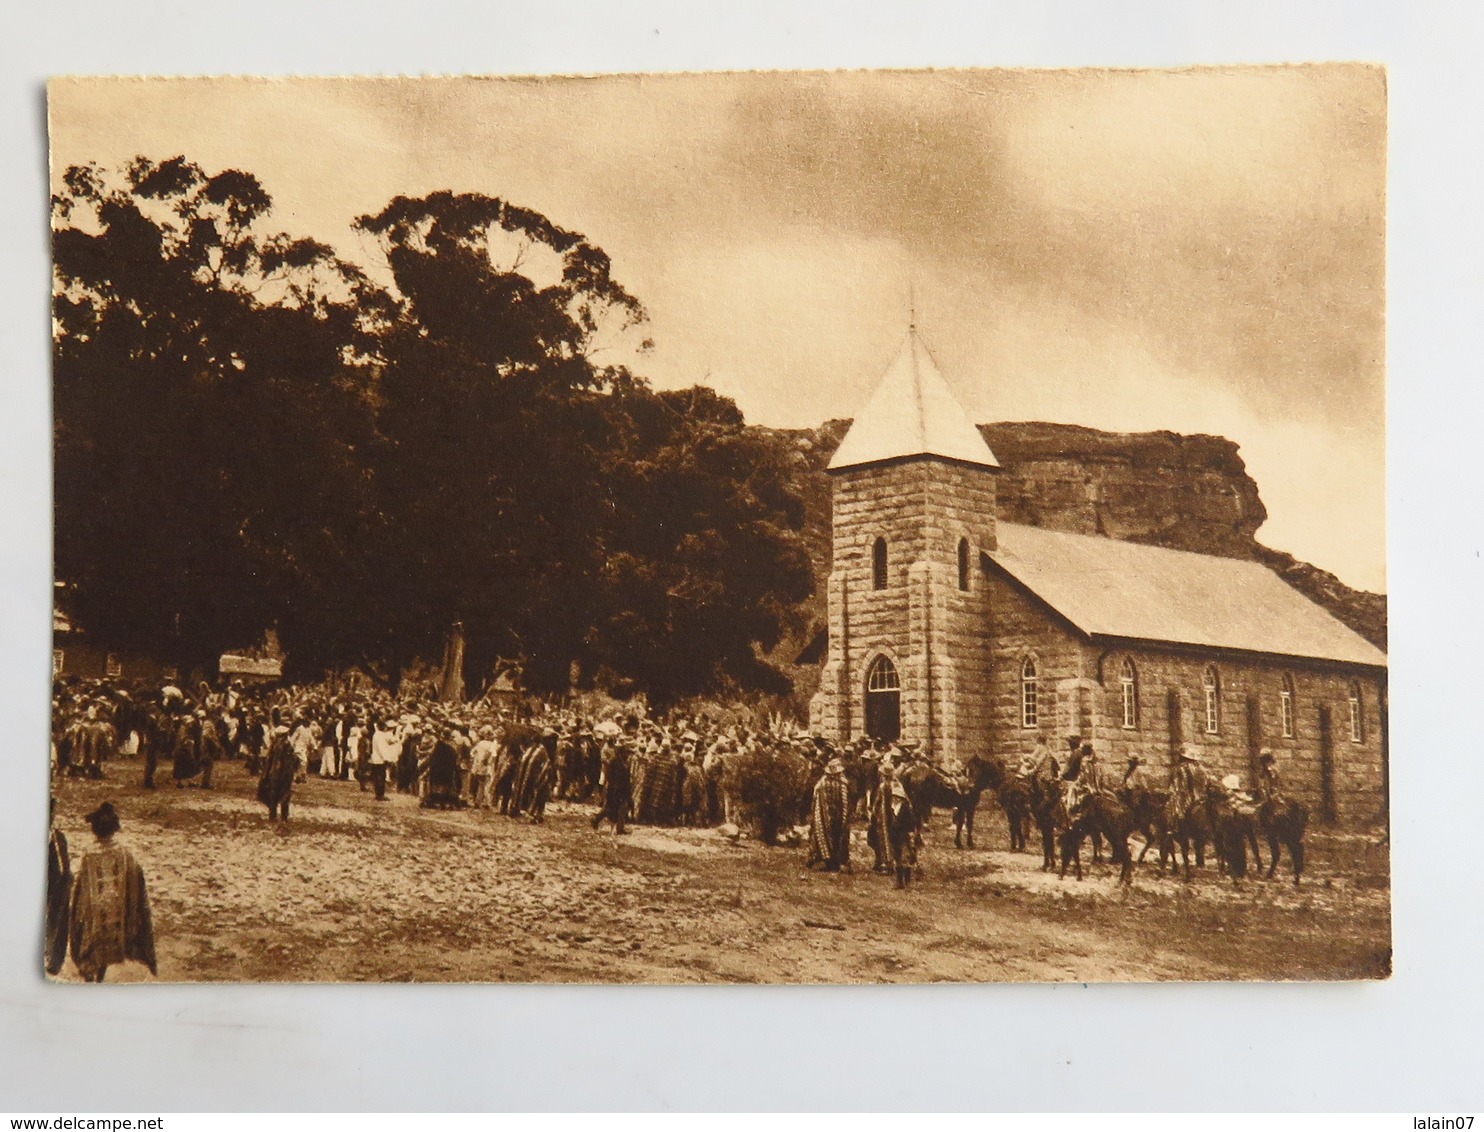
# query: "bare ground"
352,890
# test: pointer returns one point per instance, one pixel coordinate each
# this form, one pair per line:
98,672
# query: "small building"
76,656
250,669
503,692
971,636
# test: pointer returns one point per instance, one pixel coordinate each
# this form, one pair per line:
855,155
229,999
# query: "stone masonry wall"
935,634
1242,730
1022,629
959,656
1083,682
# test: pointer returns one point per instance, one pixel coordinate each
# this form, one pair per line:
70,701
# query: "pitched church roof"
912,413
1109,588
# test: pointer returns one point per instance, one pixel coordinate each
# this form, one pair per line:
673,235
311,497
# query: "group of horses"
1067,816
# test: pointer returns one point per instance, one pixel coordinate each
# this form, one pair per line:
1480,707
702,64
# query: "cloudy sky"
1200,250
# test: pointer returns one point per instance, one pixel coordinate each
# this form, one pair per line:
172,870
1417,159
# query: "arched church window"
878,565
1213,701
1128,684
1357,720
1030,688
1285,706
883,700
963,564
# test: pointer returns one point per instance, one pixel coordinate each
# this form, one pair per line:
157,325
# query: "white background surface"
1412,1043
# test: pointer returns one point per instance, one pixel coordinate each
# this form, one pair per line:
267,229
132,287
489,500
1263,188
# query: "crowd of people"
679,770
634,769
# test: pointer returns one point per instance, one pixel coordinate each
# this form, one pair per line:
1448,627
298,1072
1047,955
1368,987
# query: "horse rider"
1091,777
1135,775
1269,781
1073,769
1188,783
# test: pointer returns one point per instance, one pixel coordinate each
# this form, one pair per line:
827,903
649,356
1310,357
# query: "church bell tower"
913,497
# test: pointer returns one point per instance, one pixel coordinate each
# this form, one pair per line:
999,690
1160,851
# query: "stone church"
971,635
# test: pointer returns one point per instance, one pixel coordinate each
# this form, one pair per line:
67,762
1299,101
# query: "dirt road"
355,890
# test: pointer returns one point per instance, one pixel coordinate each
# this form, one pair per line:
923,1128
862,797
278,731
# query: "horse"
1190,827
1149,810
1098,814
1045,802
1015,799
1234,827
1190,830
983,773
1283,823
927,786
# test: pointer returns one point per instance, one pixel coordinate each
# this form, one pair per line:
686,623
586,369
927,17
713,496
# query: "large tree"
495,428
212,393
250,433
703,563
549,502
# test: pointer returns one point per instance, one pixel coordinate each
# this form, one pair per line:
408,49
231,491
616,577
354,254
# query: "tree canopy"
250,432
212,393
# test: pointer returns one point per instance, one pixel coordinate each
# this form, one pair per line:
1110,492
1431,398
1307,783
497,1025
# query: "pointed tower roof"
912,413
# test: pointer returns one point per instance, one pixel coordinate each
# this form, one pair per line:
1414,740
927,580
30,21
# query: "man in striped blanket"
533,778
829,820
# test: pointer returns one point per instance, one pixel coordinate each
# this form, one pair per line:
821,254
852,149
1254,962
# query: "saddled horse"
1045,802
1190,832
1188,824
1149,809
981,773
1098,814
1283,824
926,787
1015,799
1233,829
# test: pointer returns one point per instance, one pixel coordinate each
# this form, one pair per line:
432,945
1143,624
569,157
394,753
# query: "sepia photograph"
827,527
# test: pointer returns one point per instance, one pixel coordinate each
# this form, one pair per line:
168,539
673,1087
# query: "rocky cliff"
1160,488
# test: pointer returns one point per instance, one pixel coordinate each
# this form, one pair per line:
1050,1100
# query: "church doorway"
883,701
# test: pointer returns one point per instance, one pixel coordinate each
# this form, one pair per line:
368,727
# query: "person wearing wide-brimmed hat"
829,820
386,753
893,830
110,917
185,754
1189,783
443,771
481,766
533,778
1073,762
1269,781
